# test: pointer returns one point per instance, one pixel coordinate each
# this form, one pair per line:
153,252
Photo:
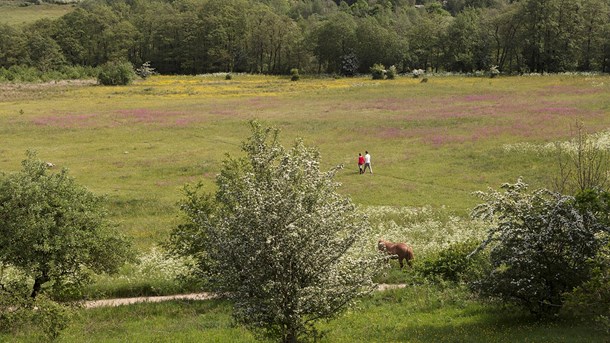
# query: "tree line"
319,36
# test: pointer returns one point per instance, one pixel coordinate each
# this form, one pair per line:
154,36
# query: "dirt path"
192,296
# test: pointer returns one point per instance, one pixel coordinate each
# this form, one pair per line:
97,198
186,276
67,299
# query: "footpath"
192,296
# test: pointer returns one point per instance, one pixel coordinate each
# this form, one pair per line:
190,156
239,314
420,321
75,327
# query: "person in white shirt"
367,162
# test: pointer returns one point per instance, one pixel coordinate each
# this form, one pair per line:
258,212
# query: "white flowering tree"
540,245
278,239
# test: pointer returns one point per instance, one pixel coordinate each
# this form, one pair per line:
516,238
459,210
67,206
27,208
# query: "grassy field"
423,314
432,144
18,13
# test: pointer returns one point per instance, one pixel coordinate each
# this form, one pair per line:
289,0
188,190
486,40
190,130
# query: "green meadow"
18,13
432,145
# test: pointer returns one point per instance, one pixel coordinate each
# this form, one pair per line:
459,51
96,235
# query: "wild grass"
19,13
426,313
432,144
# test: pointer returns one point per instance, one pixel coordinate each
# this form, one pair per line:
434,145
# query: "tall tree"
12,48
334,38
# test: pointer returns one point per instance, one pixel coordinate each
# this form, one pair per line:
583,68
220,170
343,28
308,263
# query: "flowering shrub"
276,237
539,246
418,72
145,70
391,73
494,71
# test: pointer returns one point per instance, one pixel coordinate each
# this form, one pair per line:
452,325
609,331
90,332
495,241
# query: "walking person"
361,163
367,162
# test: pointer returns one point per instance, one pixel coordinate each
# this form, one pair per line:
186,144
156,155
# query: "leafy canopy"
278,238
53,229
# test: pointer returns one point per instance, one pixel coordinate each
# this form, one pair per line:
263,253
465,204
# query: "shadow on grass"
441,313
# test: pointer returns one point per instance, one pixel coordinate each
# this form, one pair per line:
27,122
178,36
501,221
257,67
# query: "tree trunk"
38,282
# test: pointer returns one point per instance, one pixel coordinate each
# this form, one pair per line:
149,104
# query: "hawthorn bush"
278,239
540,245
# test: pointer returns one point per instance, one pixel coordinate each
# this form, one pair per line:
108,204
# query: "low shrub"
592,299
378,71
294,74
19,311
145,70
454,263
391,73
115,73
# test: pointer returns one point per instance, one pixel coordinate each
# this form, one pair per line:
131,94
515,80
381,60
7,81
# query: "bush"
391,73
116,74
295,263
454,263
417,73
540,246
145,70
378,71
592,299
494,71
19,312
294,72
228,76
349,64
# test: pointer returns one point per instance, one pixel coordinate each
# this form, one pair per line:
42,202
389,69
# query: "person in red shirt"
361,163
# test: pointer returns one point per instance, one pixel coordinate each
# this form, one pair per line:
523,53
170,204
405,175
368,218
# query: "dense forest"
319,36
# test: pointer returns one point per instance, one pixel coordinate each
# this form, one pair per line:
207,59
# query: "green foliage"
21,73
116,74
540,245
294,74
391,73
349,64
596,202
378,72
55,231
454,263
20,312
279,239
591,300
271,36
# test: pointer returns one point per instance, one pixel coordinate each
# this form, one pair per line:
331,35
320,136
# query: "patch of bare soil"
192,296
129,301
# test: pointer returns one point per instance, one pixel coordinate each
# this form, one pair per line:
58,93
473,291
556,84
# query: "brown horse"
401,251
